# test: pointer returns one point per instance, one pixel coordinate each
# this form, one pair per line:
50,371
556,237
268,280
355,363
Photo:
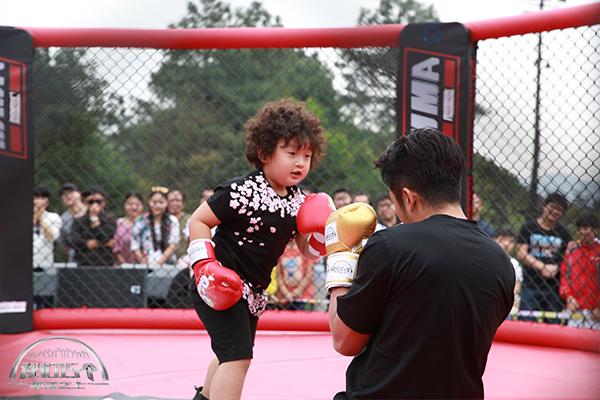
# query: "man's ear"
410,198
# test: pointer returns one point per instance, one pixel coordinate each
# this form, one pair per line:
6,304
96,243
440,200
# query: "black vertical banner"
16,181
436,86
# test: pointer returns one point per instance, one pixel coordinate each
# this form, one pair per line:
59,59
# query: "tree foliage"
189,132
193,135
71,105
372,96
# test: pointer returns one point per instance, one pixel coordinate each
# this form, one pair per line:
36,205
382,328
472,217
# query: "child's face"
506,242
586,234
288,165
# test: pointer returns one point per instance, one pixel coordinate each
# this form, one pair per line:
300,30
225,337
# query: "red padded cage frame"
237,38
362,36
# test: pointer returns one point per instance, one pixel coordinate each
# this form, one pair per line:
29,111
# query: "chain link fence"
169,126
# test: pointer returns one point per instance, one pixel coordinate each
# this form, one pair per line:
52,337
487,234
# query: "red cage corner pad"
528,333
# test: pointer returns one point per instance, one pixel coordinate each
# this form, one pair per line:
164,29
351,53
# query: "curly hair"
286,119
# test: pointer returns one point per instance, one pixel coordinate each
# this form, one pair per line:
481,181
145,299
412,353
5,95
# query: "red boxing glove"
312,218
218,286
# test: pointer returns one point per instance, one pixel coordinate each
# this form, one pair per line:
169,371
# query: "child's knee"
241,365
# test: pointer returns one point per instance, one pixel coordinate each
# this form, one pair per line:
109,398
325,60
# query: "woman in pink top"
133,206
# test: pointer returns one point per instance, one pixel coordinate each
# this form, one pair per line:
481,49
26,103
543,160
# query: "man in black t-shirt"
428,295
541,246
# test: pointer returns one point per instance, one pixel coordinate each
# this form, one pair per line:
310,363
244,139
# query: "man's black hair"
426,161
557,198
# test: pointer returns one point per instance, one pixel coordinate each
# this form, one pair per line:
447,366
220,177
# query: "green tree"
71,104
506,197
217,14
370,73
504,194
192,135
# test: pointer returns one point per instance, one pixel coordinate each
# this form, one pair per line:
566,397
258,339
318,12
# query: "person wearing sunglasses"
92,234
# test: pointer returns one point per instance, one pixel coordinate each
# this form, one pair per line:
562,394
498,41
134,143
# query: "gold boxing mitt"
345,231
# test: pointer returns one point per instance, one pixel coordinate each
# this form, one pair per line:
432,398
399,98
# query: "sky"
294,13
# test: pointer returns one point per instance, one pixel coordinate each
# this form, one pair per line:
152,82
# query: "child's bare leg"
212,368
228,380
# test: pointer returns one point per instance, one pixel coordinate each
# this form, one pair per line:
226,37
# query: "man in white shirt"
46,228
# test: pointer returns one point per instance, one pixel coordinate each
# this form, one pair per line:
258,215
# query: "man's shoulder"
438,224
380,227
399,236
377,242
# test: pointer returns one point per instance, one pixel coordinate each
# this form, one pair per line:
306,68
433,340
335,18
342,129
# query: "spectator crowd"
557,275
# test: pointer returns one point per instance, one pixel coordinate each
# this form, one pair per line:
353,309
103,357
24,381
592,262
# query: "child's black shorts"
231,331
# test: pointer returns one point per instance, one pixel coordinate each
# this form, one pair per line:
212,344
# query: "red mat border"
518,332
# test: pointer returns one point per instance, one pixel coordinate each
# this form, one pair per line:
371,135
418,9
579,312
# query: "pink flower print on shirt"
254,195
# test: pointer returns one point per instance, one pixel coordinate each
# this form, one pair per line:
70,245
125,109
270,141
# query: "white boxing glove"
341,268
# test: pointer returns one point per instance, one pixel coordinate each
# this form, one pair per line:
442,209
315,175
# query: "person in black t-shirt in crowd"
541,245
255,217
428,295
92,235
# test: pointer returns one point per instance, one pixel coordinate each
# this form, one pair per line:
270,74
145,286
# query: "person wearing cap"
71,198
46,228
579,279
